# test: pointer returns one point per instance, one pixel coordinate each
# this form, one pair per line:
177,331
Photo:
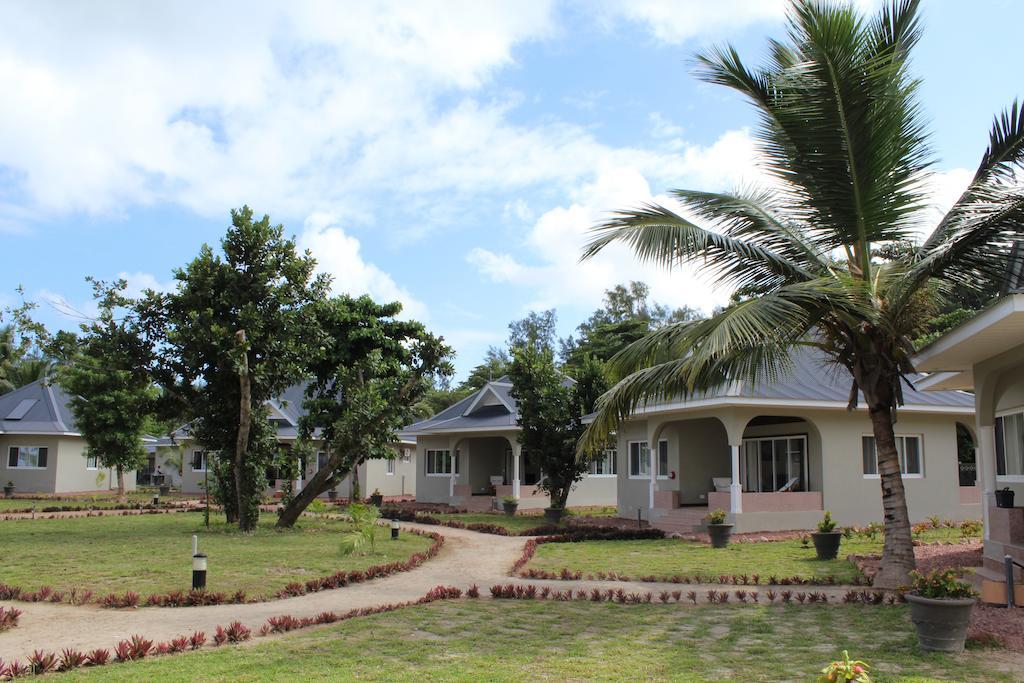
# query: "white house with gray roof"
42,449
469,456
777,454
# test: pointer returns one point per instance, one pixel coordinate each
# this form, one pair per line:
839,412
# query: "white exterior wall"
65,470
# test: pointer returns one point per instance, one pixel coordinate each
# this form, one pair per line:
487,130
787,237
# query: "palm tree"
28,370
821,258
8,356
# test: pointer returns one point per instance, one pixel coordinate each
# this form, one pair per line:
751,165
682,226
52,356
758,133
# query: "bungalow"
471,457
985,355
42,449
395,477
775,455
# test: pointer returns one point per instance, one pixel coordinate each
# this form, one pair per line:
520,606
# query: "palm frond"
661,236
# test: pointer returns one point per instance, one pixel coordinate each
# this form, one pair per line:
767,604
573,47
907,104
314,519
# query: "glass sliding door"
775,463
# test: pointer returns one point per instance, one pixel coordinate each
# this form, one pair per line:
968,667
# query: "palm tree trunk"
898,551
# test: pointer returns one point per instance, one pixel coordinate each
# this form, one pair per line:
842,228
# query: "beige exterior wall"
482,455
699,450
1008,396
65,470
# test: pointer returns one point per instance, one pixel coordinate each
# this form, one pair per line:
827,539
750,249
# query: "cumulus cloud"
676,21
338,255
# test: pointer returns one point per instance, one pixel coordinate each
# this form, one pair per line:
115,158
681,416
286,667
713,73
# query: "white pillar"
451,478
735,488
986,459
517,455
652,461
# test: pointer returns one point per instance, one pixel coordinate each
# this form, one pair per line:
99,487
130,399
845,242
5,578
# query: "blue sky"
448,155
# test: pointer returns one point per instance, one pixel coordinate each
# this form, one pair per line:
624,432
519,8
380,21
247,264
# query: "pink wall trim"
796,501
666,500
970,495
463,490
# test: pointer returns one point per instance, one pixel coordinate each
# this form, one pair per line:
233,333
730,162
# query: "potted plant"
332,494
940,607
9,490
554,515
826,538
718,529
1004,498
845,669
376,498
510,504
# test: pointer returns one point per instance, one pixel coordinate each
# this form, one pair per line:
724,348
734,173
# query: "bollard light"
394,530
156,499
199,571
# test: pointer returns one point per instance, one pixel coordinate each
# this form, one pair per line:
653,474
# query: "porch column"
735,488
986,458
517,456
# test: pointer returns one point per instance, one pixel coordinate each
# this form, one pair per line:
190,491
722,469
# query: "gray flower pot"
826,544
719,534
554,515
941,624
510,508
8,492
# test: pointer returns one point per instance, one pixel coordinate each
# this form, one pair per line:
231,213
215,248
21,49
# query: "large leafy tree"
235,332
111,392
368,371
551,408
842,136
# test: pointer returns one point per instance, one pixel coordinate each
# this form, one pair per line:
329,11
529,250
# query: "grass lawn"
152,553
516,641
99,501
676,556
513,524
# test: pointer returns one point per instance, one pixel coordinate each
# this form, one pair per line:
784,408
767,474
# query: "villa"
43,452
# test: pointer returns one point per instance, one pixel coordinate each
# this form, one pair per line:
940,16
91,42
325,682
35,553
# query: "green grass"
98,501
676,556
152,553
514,524
516,641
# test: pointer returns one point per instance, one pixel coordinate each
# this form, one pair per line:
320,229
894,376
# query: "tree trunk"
898,551
355,496
245,519
323,480
120,485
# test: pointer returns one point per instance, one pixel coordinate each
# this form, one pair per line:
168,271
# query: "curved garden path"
467,558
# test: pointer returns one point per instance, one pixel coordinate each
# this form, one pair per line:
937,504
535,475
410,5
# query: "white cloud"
338,255
676,21
139,282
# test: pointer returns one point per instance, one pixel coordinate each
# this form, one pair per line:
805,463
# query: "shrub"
846,669
40,662
196,640
237,633
473,591
970,527
70,659
827,525
97,657
9,618
716,516
941,584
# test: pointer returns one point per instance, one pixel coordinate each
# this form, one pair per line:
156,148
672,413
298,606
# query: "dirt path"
466,558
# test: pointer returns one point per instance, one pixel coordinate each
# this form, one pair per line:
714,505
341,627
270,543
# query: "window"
663,460
27,457
604,465
775,463
1010,445
198,461
92,462
440,463
322,460
406,455
907,447
391,466
639,460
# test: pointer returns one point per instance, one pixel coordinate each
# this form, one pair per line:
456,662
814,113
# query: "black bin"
1004,498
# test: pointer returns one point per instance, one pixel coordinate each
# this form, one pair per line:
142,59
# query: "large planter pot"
332,494
826,544
165,489
510,508
8,492
1004,498
941,624
719,534
377,500
554,515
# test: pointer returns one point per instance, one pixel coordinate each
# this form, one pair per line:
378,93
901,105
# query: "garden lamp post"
394,530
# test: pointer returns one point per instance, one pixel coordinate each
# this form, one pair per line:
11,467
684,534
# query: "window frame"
389,467
659,474
745,466
192,460
903,458
95,462
629,460
452,462
1000,445
40,450
609,459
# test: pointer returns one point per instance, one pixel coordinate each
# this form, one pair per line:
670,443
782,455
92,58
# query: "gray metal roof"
36,408
810,381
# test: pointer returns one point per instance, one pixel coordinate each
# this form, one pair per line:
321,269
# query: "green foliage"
846,669
110,388
941,584
550,410
261,284
827,525
716,516
22,347
364,529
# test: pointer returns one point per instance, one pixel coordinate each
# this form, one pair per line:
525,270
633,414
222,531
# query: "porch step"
686,520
